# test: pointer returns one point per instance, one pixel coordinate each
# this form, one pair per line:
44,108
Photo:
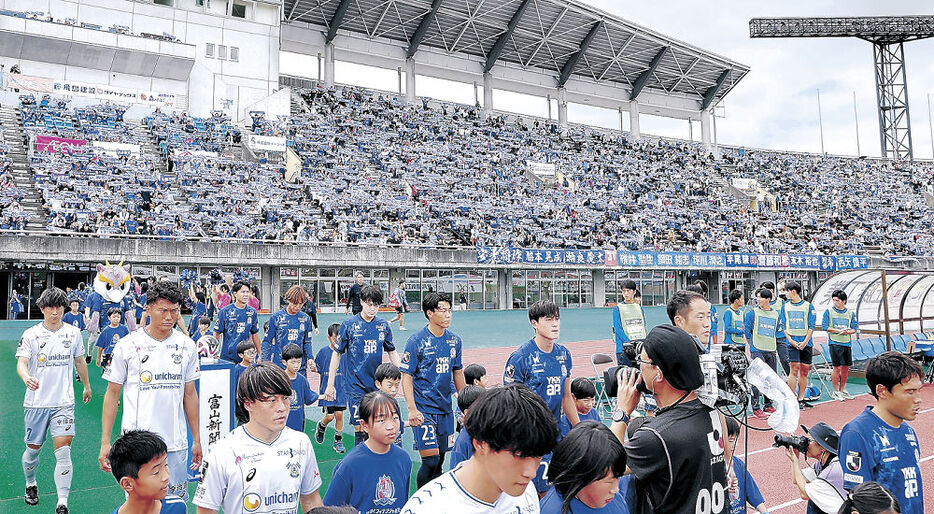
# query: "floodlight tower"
887,35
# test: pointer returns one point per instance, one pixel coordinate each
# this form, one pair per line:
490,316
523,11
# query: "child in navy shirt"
463,444
333,410
204,328
108,337
137,460
584,393
302,394
388,378
374,476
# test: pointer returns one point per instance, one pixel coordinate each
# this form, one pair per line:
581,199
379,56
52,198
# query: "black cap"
674,352
823,435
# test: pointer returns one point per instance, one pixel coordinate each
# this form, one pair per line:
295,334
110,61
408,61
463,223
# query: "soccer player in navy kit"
290,326
432,355
545,367
237,322
374,476
878,445
363,337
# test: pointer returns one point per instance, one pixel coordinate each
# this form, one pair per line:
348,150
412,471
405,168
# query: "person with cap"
677,459
822,485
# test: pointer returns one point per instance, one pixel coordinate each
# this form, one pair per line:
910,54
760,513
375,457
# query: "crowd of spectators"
376,170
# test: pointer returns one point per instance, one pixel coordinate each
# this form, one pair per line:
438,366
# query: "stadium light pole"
820,123
856,117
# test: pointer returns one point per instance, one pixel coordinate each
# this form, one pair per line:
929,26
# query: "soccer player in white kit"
47,357
156,367
262,466
511,428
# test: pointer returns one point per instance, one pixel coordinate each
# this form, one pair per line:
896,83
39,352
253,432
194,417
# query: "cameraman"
676,459
822,485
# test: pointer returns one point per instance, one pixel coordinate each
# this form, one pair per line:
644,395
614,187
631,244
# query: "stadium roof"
563,37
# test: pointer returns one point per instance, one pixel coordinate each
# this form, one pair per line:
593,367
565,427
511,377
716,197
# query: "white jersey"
51,361
446,494
153,374
242,474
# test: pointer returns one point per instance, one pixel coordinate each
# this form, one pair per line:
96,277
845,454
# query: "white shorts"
177,462
58,420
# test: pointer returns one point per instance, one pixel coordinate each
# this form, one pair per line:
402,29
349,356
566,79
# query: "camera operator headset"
677,459
822,485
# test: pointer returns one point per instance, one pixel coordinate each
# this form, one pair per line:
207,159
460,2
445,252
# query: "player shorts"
804,356
841,355
541,475
60,421
331,409
353,405
435,433
400,309
177,462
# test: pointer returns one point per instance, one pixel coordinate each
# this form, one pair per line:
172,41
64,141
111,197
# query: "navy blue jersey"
463,448
431,360
139,304
371,482
362,343
564,426
77,320
302,395
544,373
284,329
873,450
235,325
238,370
748,490
109,336
97,304
323,363
197,310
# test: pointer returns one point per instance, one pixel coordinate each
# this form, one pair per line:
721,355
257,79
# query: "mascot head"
113,282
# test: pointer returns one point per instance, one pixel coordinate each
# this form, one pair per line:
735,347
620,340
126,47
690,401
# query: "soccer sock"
359,437
63,473
427,471
30,463
338,437
439,469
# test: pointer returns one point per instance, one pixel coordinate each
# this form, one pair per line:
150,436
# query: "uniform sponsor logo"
251,502
453,352
251,474
385,491
42,357
177,358
853,461
856,479
294,469
145,377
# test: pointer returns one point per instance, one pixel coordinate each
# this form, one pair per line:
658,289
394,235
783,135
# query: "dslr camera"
795,442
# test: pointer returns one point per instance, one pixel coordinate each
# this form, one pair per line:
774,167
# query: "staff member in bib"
799,321
628,321
761,325
840,324
734,326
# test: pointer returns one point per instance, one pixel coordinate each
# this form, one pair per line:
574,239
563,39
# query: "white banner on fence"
265,143
214,404
541,169
193,153
115,149
745,183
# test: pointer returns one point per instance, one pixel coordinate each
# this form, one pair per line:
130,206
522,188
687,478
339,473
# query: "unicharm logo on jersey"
385,491
252,501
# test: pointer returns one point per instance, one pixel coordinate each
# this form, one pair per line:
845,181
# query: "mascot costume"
111,285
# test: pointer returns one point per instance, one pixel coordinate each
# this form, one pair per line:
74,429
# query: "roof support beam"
336,20
571,63
500,43
422,29
644,77
712,92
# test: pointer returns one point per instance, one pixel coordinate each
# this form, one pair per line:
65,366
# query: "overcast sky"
775,105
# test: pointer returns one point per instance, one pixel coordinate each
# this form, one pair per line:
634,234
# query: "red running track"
769,466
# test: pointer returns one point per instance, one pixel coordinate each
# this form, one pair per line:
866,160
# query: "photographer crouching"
822,484
676,459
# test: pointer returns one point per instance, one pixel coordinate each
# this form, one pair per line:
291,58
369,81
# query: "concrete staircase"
14,136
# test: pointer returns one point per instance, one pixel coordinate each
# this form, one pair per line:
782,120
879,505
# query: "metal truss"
887,35
565,38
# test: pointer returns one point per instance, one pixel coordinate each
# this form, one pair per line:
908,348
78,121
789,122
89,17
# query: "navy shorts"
802,356
841,355
436,432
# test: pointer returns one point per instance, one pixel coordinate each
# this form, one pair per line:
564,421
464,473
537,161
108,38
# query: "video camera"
730,371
